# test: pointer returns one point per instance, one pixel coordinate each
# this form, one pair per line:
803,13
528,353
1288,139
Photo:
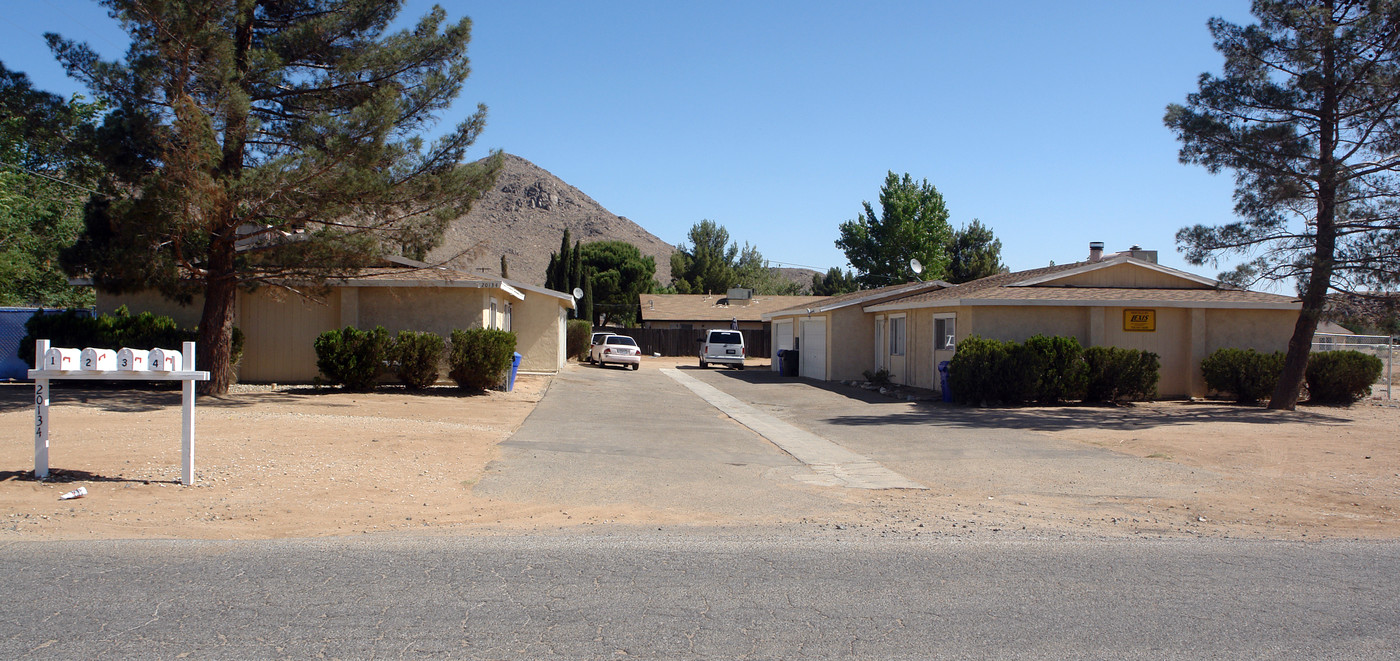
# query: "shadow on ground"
136,397
62,475
929,410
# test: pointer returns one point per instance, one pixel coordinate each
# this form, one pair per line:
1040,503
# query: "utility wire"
53,179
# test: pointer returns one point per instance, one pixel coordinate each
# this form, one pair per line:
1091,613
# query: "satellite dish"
915,265
578,293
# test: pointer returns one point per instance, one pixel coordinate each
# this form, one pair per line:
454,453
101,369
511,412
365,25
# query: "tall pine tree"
262,142
1307,115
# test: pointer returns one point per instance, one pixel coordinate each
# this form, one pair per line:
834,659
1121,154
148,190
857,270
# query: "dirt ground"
295,461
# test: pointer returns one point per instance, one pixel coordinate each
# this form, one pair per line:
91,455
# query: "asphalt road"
747,589
694,594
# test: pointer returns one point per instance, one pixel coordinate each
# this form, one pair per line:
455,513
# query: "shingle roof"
863,296
1005,288
706,307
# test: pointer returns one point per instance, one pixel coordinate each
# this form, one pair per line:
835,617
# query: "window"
621,340
491,321
945,333
896,336
507,325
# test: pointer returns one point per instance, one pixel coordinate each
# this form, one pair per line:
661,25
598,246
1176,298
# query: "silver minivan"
723,347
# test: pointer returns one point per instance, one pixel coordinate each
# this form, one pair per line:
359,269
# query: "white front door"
811,357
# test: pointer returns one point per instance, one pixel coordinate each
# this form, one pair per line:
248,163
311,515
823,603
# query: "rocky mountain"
524,218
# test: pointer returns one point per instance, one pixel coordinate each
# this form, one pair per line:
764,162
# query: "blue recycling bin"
514,368
943,381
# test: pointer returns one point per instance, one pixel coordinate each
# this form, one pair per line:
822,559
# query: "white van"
724,347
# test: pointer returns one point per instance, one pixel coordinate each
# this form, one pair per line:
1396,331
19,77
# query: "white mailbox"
100,360
62,359
131,360
164,360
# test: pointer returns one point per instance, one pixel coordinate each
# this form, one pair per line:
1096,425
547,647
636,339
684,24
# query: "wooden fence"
685,342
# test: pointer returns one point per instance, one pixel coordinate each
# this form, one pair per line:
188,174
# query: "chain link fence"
1380,346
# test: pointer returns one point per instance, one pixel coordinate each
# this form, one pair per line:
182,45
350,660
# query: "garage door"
812,354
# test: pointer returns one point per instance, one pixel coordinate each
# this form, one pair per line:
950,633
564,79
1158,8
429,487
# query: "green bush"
1341,377
1120,374
1059,369
975,375
1245,374
578,333
480,357
77,329
353,358
417,358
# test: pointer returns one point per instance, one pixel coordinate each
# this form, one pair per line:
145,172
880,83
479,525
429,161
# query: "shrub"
480,357
975,373
1059,369
880,377
1246,374
353,358
417,358
578,333
1115,373
1341,377
78,329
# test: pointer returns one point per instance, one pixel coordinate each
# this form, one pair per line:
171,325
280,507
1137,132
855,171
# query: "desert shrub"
1060,371
578,332
480,357
78,329
417,358
1244,374
1120,374
880,377
353,358
1341,377
975,373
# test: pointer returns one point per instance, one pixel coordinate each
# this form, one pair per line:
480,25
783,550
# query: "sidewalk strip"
821,455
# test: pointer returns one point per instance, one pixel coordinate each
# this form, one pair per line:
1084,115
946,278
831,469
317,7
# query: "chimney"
1096,251
1136,252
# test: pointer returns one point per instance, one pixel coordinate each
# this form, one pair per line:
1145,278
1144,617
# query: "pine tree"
264,142
1307,115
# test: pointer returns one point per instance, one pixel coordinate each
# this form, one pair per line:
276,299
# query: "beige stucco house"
1124,300
280,328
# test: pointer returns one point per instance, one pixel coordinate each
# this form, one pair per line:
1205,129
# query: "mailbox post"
46,370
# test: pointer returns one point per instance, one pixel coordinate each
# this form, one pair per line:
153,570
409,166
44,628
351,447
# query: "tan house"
280,328
1124,300
740,308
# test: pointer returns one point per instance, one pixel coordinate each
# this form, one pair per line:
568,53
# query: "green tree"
834,282
617,274
713,265
913,224
46,172
707,265
1307,116
973,252
263,142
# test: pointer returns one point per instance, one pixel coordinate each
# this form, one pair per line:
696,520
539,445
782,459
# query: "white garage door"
812,353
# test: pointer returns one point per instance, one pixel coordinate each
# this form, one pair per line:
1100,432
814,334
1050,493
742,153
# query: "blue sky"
777,119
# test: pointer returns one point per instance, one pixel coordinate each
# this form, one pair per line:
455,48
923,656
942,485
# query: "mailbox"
62,359
164,360
131,360
99,360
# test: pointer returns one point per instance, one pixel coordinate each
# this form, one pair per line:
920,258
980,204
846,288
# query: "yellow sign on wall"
1140,320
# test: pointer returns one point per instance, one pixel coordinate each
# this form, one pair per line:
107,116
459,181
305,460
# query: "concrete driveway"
612,437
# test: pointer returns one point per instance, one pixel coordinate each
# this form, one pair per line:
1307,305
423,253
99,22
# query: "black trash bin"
788,365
